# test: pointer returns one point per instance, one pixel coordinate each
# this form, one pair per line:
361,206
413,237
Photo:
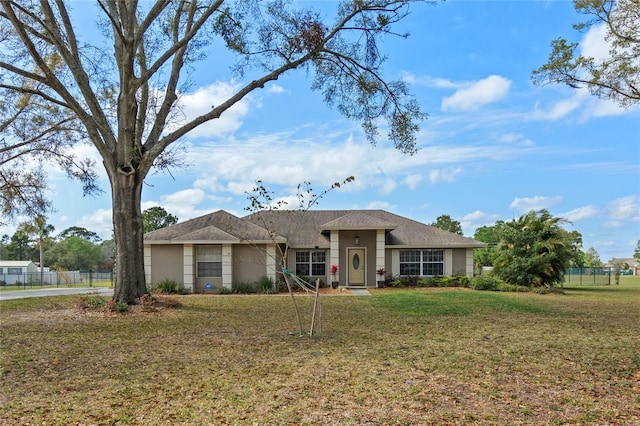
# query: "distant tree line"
533,250
73,249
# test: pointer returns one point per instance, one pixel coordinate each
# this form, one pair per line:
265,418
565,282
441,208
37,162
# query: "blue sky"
494,146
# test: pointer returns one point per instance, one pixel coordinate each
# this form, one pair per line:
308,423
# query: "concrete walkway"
360,292
56,291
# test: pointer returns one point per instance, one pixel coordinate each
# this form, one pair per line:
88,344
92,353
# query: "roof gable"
357,220
218,227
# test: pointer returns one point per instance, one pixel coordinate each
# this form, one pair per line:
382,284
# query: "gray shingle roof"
305,229
219,226
308,228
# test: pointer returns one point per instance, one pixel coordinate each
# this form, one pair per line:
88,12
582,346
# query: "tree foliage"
616,76
591,259
156,218
78,231
490,235
534,250
74,253
123,94
448,224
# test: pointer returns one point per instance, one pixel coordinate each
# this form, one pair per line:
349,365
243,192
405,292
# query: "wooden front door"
357,266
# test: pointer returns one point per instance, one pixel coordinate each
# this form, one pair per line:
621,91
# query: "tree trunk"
126,191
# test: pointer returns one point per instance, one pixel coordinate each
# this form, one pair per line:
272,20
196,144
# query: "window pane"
209,253
318,269
433,269
409,256
318,256
302,269
209,269
302,256
409,269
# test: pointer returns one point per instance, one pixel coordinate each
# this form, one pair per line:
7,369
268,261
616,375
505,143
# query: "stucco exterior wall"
459,262
249,262
166,263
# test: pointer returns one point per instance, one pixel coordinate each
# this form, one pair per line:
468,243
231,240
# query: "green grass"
401,357
461,302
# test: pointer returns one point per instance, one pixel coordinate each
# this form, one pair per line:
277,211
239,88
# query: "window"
209,261
422,262
311,263
14,271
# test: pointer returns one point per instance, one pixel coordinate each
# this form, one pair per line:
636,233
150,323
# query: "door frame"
364,264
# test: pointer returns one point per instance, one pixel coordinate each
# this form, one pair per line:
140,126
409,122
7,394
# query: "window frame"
209,263
422,262
310,260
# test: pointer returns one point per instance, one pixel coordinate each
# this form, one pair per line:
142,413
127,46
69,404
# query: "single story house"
632,263
347,246
17,271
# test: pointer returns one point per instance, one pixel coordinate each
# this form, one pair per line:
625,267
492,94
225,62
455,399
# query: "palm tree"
41,230
534,250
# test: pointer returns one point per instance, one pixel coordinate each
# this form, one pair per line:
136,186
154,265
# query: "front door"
356,266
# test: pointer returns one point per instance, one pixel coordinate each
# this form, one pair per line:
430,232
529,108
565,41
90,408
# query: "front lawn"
412,356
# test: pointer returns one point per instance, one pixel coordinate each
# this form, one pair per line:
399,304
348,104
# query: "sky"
494,146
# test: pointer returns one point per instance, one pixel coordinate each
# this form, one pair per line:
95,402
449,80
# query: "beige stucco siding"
166,263
459,262
249,262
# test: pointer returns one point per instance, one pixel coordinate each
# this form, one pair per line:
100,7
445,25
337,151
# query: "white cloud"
275,88
181,203
448,174
478,94
472,221
594,44
581,213
412,181
388,186
100,222
381,205
515,139
559,109
538,202
625,208
186,196
428,81
202,101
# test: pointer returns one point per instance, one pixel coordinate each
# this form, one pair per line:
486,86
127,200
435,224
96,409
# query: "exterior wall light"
356,240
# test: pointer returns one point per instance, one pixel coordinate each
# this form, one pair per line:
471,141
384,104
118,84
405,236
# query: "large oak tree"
616,76
121,93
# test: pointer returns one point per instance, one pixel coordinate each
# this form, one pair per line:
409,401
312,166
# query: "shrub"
547,290
281,286
463,281
502,286
167,286
88,301
224,290
243,287
266,285
485,282
398,283
113,306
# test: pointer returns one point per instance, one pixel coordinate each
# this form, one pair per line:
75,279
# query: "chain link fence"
589,276
57,279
